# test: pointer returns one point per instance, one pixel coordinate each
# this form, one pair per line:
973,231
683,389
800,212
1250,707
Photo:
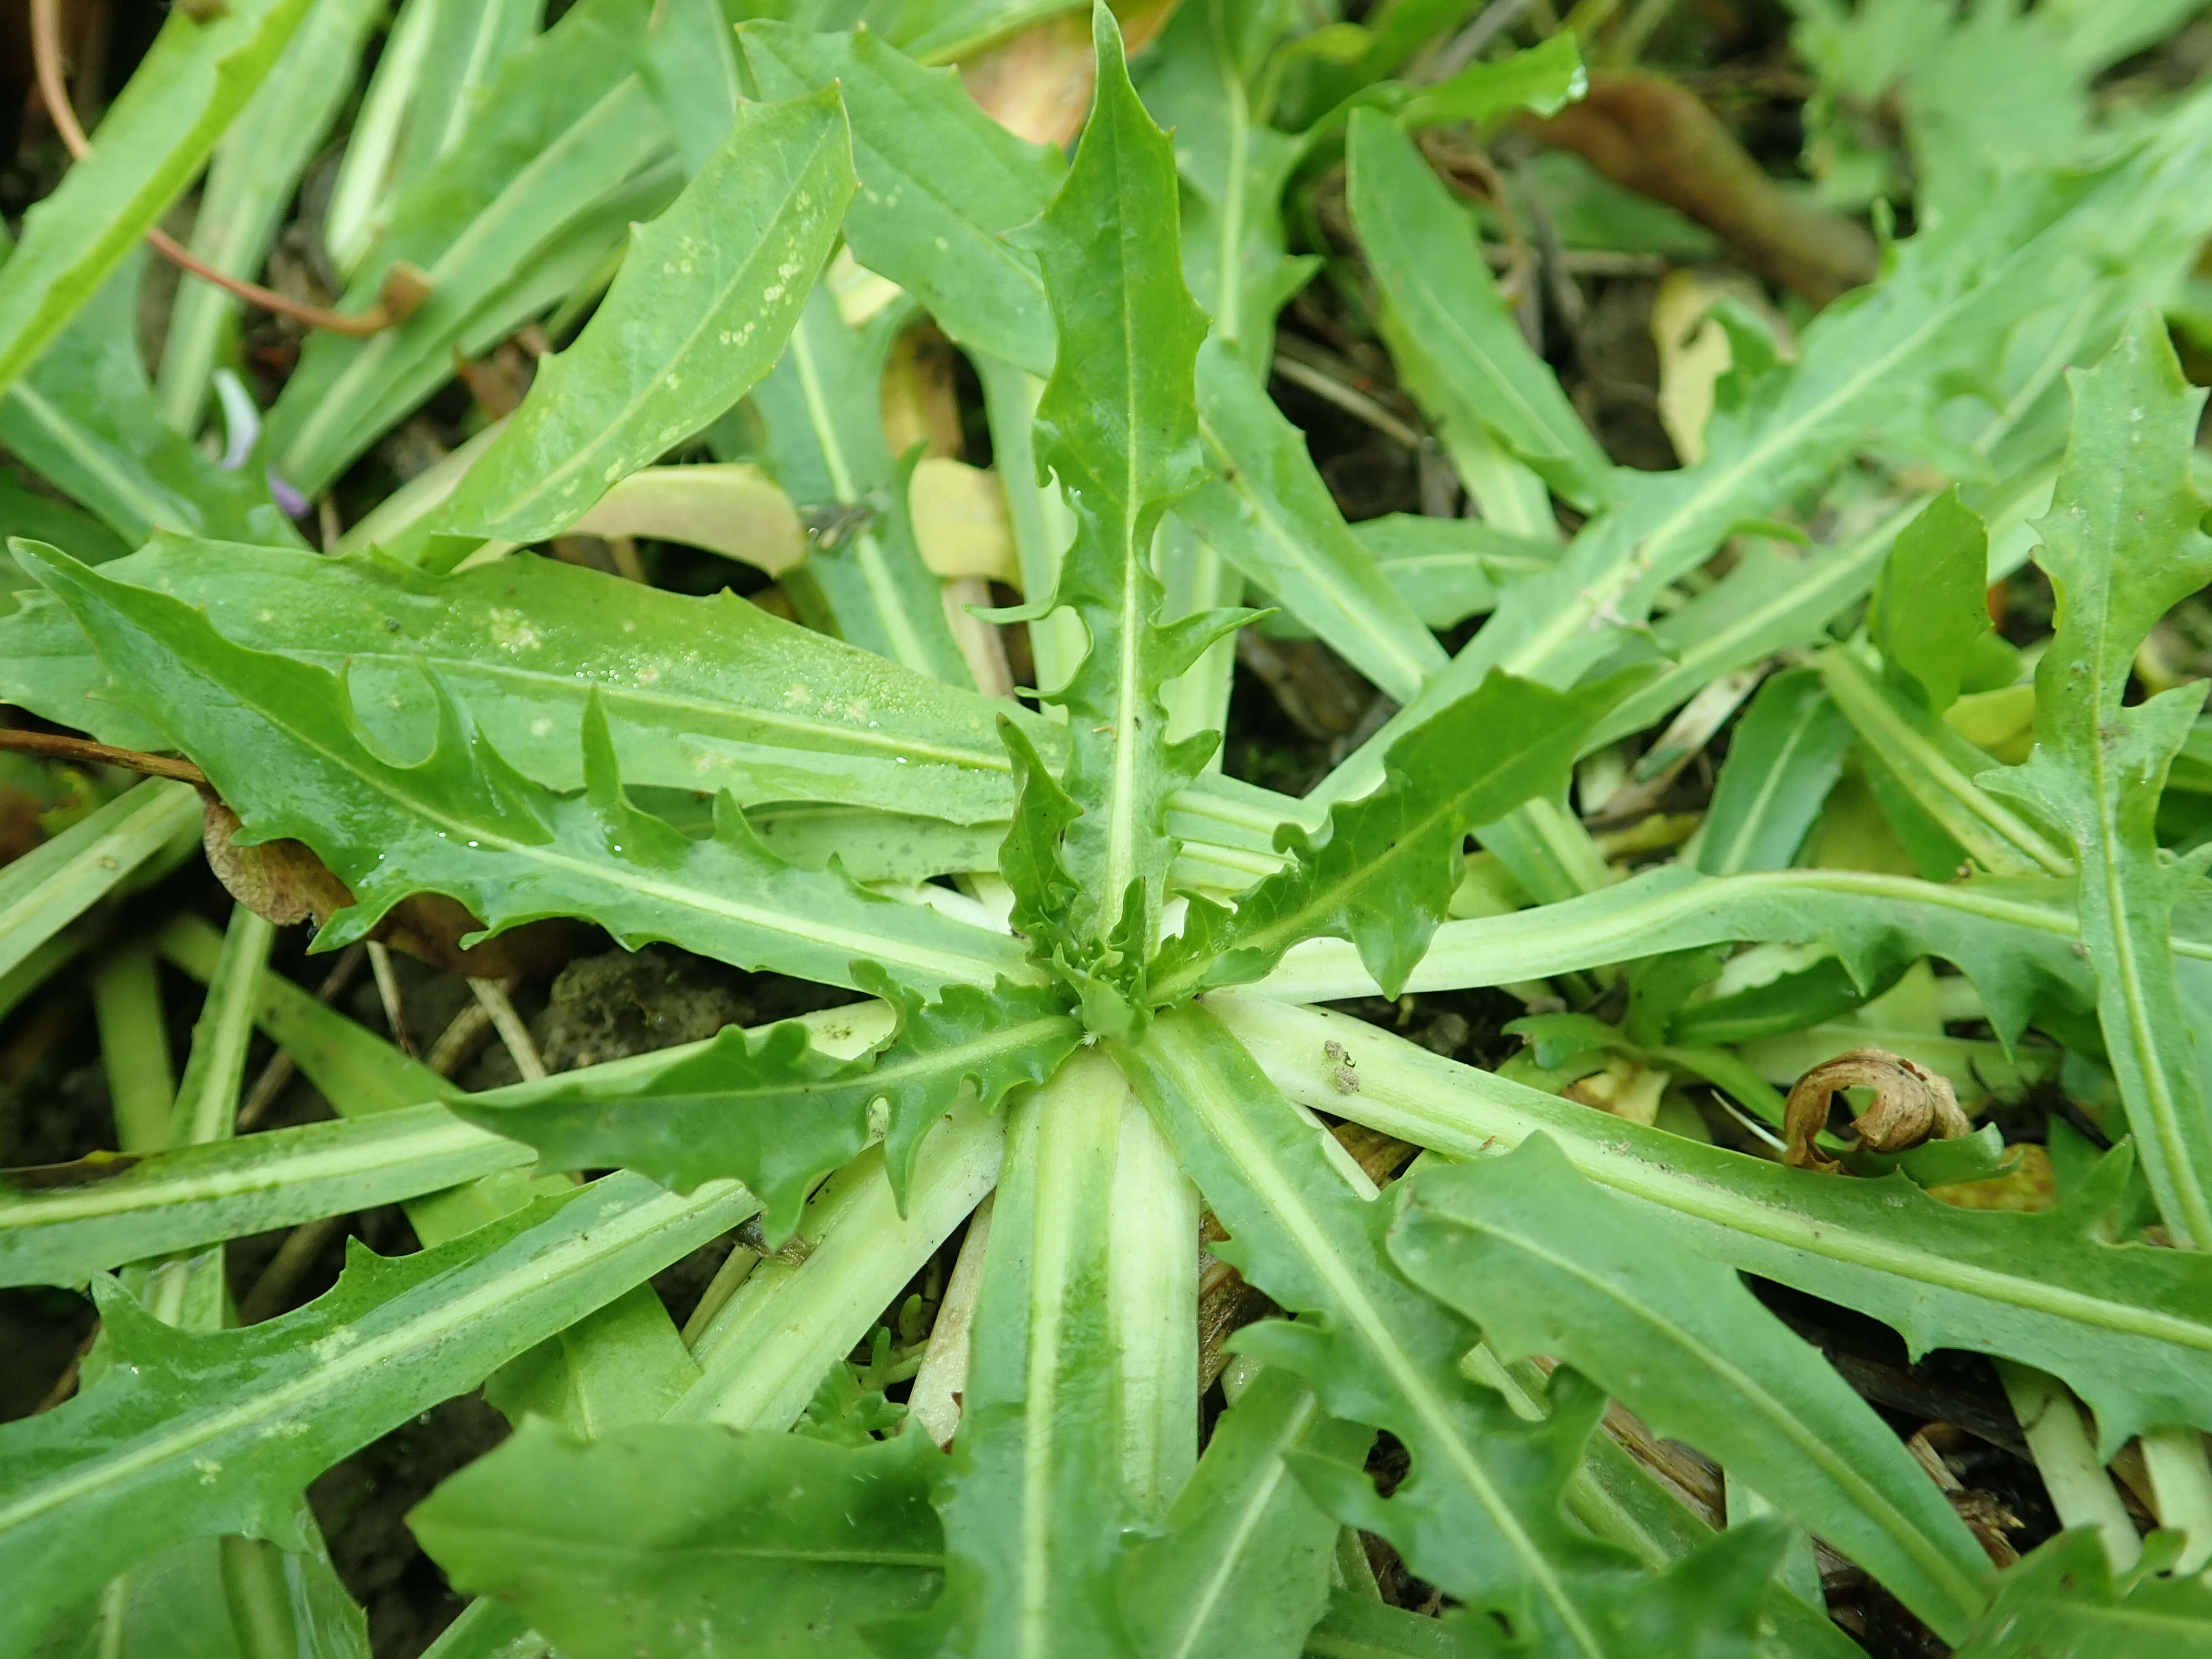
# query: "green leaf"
437,63
1930,606
1777,596
863,579
1545,78
1545,1262
1039,1495
1267,511
60,1223
778,1114
1480,1516
2014,939
2064,1598
2125,540
1200,85
1356,1626
194,80
55,882
2125,1325
1925,774
1029,857
706,297
1117,424
914,131
701,694
1784,757
1449,331
190,1435
1242,1570
691,68
565,121
688,1538
1384,875
281,742
764,1356
573,264
1449,570
1871,371
256,171
85,421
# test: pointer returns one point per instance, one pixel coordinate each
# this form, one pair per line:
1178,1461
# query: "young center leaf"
1385,871
1117,424
1546,1263
282,742
779,1114
698,312
2125,541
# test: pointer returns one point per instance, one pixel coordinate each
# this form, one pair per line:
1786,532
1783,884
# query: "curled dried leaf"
1912,1105
284,882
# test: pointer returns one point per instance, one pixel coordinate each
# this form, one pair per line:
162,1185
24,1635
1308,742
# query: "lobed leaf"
778,1114
2125,1325
701,695
1546,1263
1480,1516
279,739
2125,540
1117,424
187,1436
699,312
2064,1598
1384,875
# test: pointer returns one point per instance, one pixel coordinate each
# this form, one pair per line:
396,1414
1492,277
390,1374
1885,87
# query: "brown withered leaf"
1654,137
285,882
1036,83
1911,1104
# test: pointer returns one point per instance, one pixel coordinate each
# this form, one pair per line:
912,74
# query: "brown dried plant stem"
402,294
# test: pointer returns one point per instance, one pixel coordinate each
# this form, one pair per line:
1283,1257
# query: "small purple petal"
295,504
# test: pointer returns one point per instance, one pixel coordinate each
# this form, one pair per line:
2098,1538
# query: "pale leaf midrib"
1221,1118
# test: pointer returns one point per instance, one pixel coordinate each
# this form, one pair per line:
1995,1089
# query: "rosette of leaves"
1093,963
